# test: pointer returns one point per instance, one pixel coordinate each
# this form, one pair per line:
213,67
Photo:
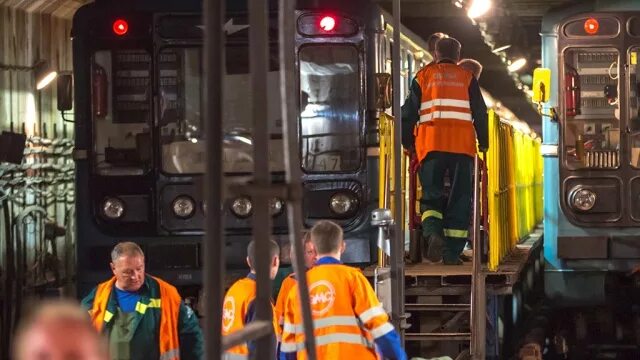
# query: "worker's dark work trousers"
449,220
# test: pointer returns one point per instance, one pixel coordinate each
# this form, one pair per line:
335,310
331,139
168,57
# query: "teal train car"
591,149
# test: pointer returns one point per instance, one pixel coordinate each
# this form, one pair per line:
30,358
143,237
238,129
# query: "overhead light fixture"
44,74
478,8
501,48
517,65
458,4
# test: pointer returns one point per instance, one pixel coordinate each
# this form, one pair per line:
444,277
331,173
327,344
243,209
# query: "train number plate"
327,162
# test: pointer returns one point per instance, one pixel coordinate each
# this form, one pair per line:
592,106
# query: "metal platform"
439,279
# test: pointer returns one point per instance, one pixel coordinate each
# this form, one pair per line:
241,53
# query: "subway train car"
588,91
139,130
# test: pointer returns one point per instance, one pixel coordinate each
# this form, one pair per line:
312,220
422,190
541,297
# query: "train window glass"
592,26
181,127
330,108
634,106
591,108
121,110
180,92
180,27
633,26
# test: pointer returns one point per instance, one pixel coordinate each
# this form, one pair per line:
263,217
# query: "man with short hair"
143,316
432,40
309,259
58,330
446,112
239,306
349,322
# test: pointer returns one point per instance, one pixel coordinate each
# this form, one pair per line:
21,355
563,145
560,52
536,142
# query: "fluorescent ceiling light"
46,79
501,48
517,65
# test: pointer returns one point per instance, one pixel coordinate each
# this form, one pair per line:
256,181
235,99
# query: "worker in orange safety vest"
349,322
142,316
441,118
310,255
239,306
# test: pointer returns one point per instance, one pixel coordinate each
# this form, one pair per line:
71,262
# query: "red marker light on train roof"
120,27
591,26
328,23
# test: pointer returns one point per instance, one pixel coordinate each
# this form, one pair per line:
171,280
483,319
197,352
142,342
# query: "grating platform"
422,276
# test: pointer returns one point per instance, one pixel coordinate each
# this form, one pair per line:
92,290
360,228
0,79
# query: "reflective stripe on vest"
170,355
444,115
169,312
371,313
323,323
446,122
336,338
231,356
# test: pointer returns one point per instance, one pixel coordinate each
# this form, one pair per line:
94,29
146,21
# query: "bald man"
58,330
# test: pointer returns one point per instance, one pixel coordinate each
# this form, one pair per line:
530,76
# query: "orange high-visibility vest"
234,311
286,286
347,315
169,311
445,113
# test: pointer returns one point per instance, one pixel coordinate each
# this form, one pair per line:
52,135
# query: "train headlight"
183,206
342,203
276,206
112,208
242,206
582,199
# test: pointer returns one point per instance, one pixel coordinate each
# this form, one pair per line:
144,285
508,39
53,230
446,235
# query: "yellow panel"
541,85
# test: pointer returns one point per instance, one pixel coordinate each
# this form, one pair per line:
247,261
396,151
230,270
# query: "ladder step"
437,307
437,336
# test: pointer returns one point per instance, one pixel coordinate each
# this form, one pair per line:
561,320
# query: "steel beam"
290,111
262,228
213,246
397,247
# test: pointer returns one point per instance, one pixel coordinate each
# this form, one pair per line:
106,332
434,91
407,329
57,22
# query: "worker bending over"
440,120
309,259
349,322
239,306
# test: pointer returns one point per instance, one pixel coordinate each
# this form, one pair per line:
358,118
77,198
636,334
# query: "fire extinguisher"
572,91
100,88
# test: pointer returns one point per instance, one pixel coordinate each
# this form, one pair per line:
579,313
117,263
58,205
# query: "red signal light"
328,23
120,27
591,26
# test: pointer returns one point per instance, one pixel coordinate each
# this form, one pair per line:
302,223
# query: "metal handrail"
478,291
397,247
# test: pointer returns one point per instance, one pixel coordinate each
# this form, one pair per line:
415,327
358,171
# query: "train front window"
330,108
180,90
634,106
591,108
121,112
181,124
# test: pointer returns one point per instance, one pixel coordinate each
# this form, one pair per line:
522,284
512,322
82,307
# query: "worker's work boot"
434,249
